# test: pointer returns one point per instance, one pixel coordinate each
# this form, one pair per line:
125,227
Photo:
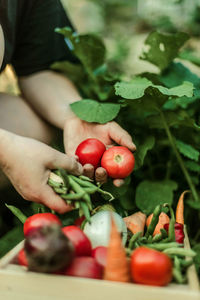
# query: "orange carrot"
135,222
117,267
163,219
180,208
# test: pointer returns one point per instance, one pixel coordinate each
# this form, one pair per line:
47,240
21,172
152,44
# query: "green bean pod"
154,221
134,239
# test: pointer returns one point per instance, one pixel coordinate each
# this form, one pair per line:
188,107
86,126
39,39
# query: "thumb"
50,199
121,136
64,161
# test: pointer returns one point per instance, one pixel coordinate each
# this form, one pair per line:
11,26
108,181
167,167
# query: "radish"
98,231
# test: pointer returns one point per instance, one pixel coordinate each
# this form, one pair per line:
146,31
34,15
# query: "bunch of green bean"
182,258
76,190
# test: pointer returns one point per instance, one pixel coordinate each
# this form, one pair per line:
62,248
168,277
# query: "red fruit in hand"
40,220
151,267
79,240
84,266
118,161
90,151
100,255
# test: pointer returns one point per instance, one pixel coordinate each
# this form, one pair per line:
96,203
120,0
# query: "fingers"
101,175
121,136
49,198
66,162
118,182
88,170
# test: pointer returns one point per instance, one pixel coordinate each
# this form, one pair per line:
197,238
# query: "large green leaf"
187,150
142,150
138,86
163,48
175,75
151,193
93,111
89,48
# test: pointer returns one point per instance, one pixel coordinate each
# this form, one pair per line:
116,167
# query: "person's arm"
49,94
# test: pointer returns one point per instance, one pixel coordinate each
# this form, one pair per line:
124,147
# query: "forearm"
50,94
6,142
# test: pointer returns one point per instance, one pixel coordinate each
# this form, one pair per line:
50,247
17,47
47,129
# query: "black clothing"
31,45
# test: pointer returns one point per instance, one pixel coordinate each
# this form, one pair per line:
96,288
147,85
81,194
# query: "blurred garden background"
123,25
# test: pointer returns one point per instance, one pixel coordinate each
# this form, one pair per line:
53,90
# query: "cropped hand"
28,163
76,130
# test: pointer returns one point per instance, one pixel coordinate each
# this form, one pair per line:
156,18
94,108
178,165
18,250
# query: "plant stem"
179,159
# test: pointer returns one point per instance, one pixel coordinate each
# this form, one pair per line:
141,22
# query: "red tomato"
90,151
84,266
118,161
22,260
79,221
40,220
151,267
100,255
79,240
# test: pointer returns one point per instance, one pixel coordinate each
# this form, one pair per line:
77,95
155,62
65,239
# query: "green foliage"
163,48
93,111
149,194
187,150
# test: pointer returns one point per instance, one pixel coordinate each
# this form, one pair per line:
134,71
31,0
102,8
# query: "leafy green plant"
160,111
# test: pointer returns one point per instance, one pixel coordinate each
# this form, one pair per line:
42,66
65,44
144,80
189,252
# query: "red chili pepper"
179,233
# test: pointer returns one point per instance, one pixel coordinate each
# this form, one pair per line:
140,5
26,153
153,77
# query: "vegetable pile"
110,247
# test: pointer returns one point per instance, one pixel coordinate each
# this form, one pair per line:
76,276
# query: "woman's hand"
27,163
76,131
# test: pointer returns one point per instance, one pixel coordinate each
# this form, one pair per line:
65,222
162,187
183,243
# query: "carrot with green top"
117,266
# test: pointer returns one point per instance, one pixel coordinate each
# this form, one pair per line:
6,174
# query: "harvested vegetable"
151,267
163,219
76,190
40,220
21,258
180,209
117,267
136,222
80,241
100,255
98,231
118,161
84,266
47,249
90,151
179,232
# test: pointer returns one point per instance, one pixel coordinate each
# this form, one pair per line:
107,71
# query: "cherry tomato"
151,267
84,266
118,161
79,240
40,220
90,151
79,221
22,260
100,255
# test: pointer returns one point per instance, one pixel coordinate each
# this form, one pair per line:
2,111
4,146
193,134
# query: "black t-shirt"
31,45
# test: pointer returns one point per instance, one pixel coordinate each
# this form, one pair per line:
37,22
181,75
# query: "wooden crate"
16,283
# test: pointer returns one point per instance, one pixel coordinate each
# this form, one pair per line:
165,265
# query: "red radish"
100,255
22,260
90,151
118,161
84,266
40,220
48,249
79,221
79,240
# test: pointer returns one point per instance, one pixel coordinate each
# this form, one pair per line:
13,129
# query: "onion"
99,230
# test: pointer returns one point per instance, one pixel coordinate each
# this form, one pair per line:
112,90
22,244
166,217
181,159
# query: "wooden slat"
193,281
